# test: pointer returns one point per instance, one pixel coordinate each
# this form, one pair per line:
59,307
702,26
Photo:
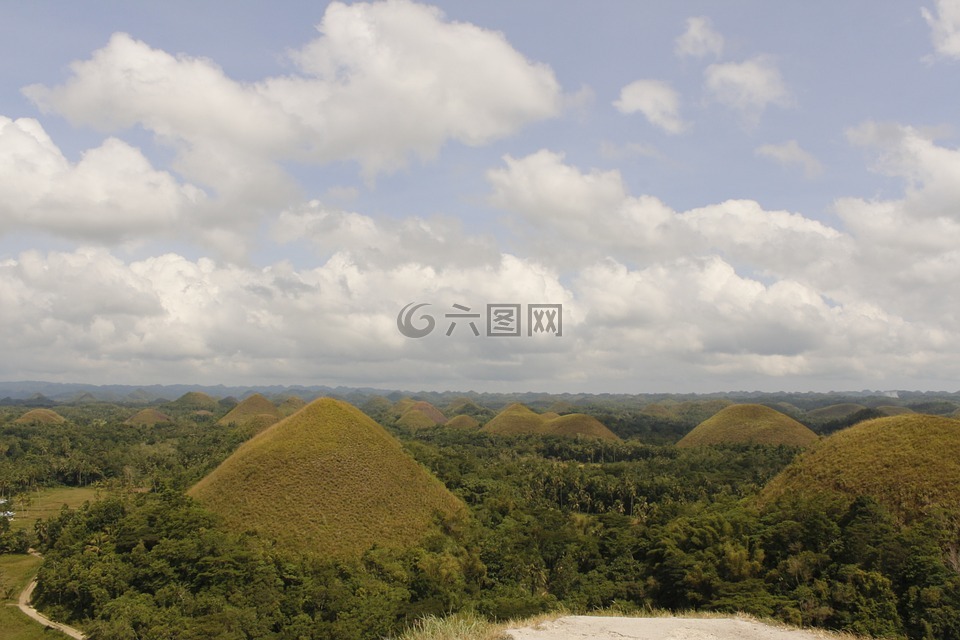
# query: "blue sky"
723,196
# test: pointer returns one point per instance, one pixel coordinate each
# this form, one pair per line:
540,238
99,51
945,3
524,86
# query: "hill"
835,411
749,424
40,416
196,400
328,479
462,421
518,419
254,411
909,463
290,405
418,414
147,418
515,419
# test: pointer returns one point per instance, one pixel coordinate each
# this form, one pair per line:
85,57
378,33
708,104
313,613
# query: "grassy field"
15,572
518,419
47,502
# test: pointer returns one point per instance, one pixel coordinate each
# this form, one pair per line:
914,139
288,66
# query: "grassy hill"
40,416
327,479
462,421
909,463
749,424
290,405
147,418
196,400
893,410
518,419
253,408
835,411
515,419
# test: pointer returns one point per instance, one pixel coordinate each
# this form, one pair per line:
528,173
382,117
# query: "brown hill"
196,400
909,463
327,479
416,419
40,416
749,424
462,421
147,418
835,411
290,405
254,409
517,419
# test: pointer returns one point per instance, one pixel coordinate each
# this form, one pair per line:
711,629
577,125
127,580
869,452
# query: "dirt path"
24,604
614,628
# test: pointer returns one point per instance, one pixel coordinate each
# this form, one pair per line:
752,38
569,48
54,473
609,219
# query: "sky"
680,197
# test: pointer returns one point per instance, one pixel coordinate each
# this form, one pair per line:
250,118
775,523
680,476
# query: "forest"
551,522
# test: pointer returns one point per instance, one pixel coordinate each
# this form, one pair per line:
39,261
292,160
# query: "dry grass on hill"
147,418
328,479
518,419
749,424
909,463
40,416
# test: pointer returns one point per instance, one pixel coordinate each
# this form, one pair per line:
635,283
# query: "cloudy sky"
722,196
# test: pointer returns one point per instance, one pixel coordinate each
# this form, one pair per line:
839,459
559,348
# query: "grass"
196,400
16,571
254,408
462,421
147,418
290,405
518,419
749,424
40,416
328,479
909,463
47,503
835,411
416,419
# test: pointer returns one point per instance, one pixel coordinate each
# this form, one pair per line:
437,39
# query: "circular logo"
405,321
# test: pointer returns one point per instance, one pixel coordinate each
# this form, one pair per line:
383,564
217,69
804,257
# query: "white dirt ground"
617,628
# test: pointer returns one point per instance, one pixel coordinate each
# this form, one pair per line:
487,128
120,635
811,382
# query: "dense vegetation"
579,523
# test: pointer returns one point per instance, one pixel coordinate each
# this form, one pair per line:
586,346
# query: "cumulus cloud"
944,24
699,40
112,193
656,100
382,82
748,87
791,154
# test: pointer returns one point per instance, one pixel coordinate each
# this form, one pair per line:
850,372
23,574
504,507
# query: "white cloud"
749,87
944,27
112,193
699,40
656,100
382,81
791,154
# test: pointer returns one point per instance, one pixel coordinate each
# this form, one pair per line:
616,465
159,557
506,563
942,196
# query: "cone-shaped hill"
421,415
749,424
290,405
835,411
196,400
462,421
909,463
147,418
517,419
329,480
40,416
254,413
